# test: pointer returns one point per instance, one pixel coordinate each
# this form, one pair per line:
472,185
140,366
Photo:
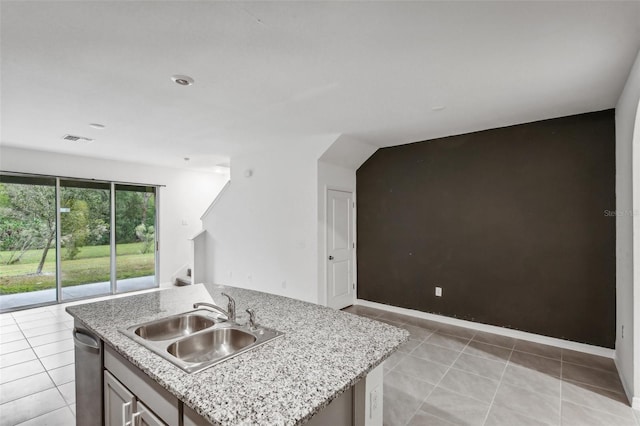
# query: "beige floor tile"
532,380
61,417
17,357
409,346
541,407
588,360
6,319
19,371
394,359
63,375
495,339
421,369
54,348
483,350
538,349
536,362
29,407
592,376
45,329
49,338
468,384
417,333
14,346
448,341
407,384
398,407
481,366
425,419
455,408
10,328
58,360
502,416
578,415
24,387
435,353
68,391
11,337
596,398
454,330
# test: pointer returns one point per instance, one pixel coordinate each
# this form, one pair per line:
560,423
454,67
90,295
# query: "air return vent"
77,138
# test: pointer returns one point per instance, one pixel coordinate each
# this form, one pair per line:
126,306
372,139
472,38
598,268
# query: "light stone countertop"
283,382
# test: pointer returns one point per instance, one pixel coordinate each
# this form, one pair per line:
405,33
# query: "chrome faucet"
230,313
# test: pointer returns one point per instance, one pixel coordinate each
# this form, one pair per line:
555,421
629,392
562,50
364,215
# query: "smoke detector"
182,80
74,138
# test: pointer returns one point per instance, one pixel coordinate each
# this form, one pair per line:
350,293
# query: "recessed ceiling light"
97,126
182,80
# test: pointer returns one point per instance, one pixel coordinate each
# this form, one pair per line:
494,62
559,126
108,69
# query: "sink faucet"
230,313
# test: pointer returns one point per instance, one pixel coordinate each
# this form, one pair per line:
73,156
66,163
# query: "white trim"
622,380
202,231
215,200
522,335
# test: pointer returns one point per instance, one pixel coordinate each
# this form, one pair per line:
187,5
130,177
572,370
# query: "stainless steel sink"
213,344
198,339
175,326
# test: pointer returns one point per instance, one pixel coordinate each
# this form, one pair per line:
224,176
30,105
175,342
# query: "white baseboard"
625,386
522,335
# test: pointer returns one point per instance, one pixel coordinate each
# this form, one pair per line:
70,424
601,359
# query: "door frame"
325,239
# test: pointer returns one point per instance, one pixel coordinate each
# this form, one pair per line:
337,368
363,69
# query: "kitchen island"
324,356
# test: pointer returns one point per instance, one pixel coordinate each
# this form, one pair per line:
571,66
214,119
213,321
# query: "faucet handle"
252,319
231,307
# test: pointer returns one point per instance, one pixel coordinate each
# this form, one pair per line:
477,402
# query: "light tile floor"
445,375
448,375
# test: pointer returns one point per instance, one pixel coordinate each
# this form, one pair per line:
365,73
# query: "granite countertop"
286,381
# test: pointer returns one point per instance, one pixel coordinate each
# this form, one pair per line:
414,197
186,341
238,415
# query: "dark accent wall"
510,222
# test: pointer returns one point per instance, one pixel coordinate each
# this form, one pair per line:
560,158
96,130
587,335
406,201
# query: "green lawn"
90,266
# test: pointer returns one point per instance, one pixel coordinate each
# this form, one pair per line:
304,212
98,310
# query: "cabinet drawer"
161,402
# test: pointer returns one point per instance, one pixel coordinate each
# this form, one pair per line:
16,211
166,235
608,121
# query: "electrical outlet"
438,291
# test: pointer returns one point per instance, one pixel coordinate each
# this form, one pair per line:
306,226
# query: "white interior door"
340,248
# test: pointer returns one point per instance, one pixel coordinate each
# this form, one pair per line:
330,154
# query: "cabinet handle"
135,418
125,408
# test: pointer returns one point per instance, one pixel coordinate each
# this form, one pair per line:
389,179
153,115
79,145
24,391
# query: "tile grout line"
438,384
504,370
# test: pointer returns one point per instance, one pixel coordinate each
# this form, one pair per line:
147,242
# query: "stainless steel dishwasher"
89,376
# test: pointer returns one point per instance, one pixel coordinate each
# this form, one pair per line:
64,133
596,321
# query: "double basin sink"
198,339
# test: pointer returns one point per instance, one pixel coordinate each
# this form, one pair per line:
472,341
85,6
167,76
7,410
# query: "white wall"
628,199
186,196
262,232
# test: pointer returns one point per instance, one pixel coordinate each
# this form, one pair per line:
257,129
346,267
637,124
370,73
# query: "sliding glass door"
27,241
66,239
135,237
85,223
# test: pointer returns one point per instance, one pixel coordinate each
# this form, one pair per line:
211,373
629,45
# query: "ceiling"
268,73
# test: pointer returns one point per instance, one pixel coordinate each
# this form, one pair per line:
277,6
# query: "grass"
92,265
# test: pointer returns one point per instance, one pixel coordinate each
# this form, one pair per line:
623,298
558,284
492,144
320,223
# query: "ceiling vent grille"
74,138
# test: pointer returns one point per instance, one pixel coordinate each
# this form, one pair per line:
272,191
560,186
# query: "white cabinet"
144,417
118,402
122,408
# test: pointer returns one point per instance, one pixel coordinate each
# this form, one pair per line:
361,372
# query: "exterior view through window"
102,240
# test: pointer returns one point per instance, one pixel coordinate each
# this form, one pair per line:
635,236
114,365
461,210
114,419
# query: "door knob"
330,257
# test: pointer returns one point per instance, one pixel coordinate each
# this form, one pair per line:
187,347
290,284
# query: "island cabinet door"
118,402
144,417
